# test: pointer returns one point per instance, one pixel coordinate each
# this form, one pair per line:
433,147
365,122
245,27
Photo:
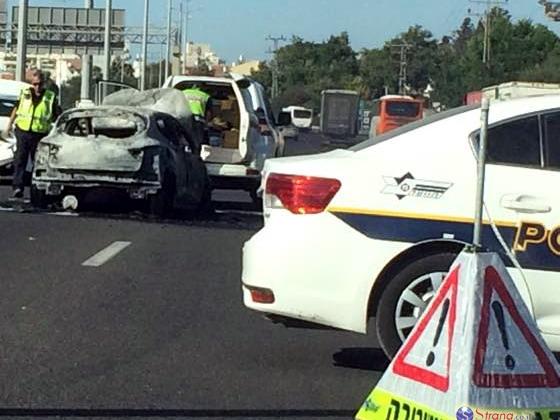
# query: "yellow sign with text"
381,405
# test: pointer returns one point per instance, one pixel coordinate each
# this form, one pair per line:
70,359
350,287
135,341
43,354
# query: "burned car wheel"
206,207
39,198
161,203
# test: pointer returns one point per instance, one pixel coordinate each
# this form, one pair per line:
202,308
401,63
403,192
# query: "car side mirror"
284,119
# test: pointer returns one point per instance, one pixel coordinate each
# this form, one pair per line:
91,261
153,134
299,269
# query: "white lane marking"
106,254
63,214
8,209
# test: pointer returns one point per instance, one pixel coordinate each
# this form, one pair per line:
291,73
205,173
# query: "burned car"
138,151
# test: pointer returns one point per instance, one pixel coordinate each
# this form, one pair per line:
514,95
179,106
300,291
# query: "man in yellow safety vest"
200,104
198,100
33,114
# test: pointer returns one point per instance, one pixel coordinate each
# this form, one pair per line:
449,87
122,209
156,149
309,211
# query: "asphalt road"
159,330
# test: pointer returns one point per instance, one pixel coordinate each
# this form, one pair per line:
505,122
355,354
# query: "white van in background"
302,117
9,94
236,152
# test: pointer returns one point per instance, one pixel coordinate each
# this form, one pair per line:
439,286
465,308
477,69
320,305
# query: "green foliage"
70,92
307,68
452,66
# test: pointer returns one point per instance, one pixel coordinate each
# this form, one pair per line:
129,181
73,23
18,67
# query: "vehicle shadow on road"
369,358
224,215
363,358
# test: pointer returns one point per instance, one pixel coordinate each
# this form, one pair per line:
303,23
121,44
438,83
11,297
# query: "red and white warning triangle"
426,355
521,361
475,347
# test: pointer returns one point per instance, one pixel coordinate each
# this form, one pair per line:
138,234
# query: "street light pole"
186,46
160,73
22,40
144,46
86,65
168,45
107,46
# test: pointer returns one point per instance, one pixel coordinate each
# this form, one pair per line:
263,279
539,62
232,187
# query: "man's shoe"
18,193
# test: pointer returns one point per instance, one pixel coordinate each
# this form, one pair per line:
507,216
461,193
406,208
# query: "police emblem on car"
408,186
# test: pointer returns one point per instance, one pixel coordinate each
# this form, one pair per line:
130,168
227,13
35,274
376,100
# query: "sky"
240,27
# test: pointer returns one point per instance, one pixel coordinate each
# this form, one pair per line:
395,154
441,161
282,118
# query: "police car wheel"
406,297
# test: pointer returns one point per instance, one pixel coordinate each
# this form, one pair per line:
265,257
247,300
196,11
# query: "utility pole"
275,68
86,66
144,45
186,32
487,23
168,44
107,43
403,65
22,40
182,54
161,61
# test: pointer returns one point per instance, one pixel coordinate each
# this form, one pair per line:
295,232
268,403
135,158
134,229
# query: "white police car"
370,232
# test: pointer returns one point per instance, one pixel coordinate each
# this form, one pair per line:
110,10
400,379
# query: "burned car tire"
161,203
206,207
38,198
406,297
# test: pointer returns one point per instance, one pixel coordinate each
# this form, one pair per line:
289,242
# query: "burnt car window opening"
118,126
403,109
78,127
114,127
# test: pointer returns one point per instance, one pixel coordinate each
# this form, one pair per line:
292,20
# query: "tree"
421,56
377,73
452,65
70,92
123,71
307,68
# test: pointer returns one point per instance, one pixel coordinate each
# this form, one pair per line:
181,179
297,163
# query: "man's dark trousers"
26,143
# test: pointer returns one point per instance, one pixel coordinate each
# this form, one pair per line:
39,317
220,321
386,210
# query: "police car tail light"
300,194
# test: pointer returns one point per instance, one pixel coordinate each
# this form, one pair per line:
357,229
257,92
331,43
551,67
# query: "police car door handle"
524,204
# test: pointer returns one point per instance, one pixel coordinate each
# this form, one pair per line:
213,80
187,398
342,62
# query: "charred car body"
136,150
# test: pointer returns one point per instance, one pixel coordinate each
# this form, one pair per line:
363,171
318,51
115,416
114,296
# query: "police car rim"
414,300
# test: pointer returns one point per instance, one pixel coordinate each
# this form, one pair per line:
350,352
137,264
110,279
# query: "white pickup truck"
235,156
